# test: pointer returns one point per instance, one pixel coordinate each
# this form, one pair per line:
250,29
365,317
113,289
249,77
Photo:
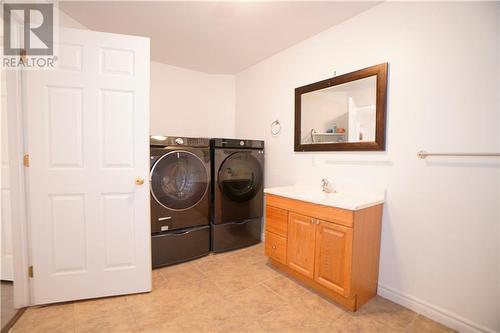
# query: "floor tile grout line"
274,292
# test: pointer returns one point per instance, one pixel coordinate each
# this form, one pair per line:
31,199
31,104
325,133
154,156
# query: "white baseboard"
444,317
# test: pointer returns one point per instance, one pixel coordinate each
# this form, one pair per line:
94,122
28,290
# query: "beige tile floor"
231,292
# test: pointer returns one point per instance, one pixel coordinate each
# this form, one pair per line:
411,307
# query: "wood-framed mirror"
343,113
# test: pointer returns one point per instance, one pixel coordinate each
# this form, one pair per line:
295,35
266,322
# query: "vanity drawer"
326,213
276,220
276,247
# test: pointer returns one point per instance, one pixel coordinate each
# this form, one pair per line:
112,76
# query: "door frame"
20,236
17,179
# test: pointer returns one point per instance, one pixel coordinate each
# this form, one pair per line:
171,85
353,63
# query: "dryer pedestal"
237,235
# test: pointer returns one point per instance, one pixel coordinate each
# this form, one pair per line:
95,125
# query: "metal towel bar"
423,154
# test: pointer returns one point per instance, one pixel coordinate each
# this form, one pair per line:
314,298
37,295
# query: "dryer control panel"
237,143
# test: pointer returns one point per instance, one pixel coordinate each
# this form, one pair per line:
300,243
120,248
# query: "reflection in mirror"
341,113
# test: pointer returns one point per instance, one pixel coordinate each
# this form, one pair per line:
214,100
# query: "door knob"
139,180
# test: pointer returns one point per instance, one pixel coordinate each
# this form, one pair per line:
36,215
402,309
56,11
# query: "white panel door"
87,135
6,257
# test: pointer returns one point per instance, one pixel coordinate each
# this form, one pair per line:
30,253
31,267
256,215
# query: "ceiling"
219,37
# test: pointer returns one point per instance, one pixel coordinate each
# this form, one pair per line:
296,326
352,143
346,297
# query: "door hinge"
26,160
30,272
22,56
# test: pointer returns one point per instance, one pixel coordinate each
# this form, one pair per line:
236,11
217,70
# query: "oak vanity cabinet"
332,250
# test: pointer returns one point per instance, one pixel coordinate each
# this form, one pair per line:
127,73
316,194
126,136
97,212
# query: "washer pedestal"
180,245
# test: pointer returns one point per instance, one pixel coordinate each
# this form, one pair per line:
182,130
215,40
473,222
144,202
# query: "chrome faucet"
325,186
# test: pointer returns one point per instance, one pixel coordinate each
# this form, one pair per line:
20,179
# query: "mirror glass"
341,113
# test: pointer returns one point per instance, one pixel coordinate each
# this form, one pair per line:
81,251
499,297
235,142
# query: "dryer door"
179,180
240,181
240,177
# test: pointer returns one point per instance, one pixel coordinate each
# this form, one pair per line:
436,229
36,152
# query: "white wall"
191,103
6,246
185,102
440,238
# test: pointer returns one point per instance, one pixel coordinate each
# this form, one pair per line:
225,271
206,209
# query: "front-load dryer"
237,186
180,199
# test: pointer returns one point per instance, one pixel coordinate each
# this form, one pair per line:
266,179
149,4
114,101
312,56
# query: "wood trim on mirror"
380,71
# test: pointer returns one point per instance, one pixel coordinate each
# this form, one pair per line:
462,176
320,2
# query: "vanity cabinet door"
333,257
300,247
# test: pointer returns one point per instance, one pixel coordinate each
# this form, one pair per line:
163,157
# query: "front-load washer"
180,198
237,186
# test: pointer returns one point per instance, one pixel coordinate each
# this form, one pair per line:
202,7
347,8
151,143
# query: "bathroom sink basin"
345,200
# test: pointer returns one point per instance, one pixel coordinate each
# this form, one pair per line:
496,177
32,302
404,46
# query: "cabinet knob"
274,247
317,221
312,221
139,180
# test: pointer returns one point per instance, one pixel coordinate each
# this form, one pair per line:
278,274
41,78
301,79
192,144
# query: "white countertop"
345,200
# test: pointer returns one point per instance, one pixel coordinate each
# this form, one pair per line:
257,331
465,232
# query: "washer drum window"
179,180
